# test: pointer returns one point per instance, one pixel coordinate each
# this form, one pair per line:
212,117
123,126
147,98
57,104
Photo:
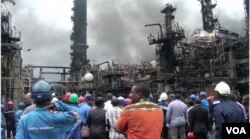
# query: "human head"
139,91
21,106
99,102
109,96
178,96
10,104
80,99
41,91
163,97
171,97
73,98
223,89
203,95
115,102
66,97
89,99
245,100
236,95
27,100
192,97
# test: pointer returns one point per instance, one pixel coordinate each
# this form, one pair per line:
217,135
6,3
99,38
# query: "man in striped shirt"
111,117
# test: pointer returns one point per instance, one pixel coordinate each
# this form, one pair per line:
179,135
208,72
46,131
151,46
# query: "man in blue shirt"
42,122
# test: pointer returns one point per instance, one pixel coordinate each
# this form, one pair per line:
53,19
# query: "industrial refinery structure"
213,54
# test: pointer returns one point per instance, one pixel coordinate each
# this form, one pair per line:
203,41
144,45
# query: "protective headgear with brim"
80,99
21,105
203,94
10,103
41,91
163,96
193,97
73,98
223,89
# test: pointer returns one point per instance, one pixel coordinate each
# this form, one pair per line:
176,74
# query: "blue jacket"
18,115
3,126
226,111
85,109
44,124
74,131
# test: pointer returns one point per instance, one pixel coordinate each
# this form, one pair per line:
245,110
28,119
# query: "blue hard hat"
21,105
193,97
203,94
88,97
41,91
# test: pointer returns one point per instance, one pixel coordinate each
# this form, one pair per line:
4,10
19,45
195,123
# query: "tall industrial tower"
207,15
79,39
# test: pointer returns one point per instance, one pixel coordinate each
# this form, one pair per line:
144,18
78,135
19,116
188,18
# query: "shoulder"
142,105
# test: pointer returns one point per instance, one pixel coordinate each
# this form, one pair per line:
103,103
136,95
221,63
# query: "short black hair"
143,88
109,96
115,102
177,96
99,101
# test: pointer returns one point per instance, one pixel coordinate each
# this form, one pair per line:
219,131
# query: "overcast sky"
115,27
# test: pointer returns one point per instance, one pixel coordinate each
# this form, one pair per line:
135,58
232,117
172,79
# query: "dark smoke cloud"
115,29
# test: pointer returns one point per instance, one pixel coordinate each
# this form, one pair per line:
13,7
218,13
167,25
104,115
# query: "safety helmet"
191,135
73,98
163,96
88,97
203,94
21,105
223,88
41,91
67,94
193,97
80,99
10,103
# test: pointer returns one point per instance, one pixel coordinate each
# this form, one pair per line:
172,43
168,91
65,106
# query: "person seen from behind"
226,111
42,122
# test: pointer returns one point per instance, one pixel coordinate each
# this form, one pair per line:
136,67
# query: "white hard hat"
163,96
222,88
120,97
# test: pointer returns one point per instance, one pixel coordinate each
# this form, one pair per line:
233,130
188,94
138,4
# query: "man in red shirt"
142,119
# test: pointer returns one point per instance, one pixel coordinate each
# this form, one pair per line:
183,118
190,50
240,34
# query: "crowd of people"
100,116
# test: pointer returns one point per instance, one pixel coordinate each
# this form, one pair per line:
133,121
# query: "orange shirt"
142,120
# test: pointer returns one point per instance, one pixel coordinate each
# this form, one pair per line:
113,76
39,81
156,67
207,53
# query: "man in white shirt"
107,104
